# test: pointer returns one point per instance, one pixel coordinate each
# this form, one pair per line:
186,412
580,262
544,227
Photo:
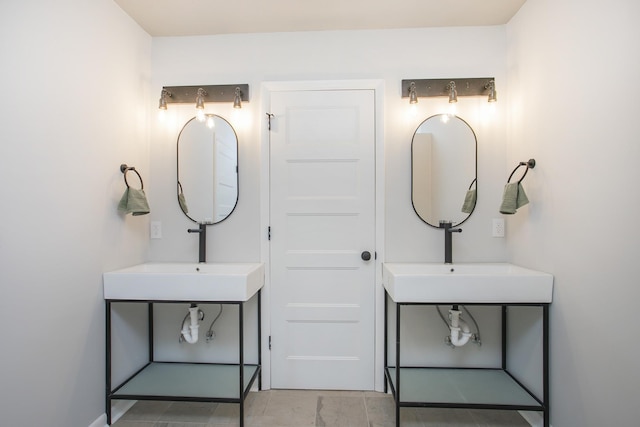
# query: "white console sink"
185,282
466,283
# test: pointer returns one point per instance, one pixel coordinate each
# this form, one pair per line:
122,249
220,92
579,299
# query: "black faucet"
448,245
202,241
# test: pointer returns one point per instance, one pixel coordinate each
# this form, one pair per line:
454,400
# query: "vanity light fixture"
451,88
236,93
453,93
413,96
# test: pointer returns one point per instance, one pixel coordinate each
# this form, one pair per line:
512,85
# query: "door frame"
321,85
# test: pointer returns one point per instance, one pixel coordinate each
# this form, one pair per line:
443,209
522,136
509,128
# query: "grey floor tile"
225,413
290,410
342,410
381,410
192,412
122,423
179,424
341,393
409,417
256,403
442,417
145,410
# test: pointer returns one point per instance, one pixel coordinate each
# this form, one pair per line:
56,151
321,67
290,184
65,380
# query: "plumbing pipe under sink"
460,333
190,333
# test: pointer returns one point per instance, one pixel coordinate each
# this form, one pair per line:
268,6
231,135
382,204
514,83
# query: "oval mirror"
443,170
207,169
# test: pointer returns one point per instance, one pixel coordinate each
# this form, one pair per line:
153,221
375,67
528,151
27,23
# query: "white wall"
574,94
390,56
75,78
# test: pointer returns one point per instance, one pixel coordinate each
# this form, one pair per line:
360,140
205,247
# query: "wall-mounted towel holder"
530,165
125,169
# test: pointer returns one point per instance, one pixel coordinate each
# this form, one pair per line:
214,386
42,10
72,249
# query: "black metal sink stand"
426,382
146,383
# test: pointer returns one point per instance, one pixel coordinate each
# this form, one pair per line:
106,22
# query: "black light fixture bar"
440,87
213,93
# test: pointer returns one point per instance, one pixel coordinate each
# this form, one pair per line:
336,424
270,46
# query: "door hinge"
269,116
269,233
269,342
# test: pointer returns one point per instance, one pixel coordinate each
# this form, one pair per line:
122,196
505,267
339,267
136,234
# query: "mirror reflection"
207,169
443,170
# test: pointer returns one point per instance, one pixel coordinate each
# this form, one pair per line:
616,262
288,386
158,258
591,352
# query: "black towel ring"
124,169
530,165
471,185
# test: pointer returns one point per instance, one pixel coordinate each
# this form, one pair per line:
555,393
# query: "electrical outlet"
498,227
156,229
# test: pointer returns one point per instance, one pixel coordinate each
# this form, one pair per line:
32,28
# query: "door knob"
366,255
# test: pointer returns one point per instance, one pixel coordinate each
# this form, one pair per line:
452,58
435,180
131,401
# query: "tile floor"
310,408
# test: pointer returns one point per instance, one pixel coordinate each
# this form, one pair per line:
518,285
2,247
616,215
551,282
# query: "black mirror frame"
475,137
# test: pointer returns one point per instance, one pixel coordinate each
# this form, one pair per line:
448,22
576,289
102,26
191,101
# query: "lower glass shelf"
188,380
450,386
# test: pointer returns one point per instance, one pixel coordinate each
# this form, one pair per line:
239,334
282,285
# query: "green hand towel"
513,198
133,201
522,197
469,201
183,202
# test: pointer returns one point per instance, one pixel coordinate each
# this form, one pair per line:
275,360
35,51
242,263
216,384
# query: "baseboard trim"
535,419
101,421
118,409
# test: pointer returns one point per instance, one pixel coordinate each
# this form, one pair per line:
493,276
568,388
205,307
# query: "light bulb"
413,96
200,105
237,101
493,94
162,102
453,93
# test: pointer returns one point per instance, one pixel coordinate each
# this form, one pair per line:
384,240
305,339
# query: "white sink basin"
184,282
466,283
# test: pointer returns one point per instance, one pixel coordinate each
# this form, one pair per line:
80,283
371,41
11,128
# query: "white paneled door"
322,212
